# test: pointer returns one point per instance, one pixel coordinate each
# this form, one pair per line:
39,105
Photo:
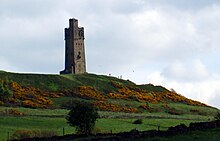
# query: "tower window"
79,55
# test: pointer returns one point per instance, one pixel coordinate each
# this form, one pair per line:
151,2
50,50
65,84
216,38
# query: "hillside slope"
50,82
106,93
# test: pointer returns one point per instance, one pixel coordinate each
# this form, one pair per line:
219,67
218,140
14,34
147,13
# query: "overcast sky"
173,43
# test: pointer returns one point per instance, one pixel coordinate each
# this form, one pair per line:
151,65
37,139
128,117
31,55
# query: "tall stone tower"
74,49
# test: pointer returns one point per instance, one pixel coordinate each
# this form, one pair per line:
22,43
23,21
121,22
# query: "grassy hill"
59,82
40,101
107,93
50,82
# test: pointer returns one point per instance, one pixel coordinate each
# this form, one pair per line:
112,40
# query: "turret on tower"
74,49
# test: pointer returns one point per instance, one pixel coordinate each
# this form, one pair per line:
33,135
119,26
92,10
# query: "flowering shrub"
13,112
102,105
23,134
90,92
29,103
173,97
85,92
132,93
117,96
31,97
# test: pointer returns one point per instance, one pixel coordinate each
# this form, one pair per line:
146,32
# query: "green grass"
185,109
100,82
38,119
194,110
152,88
34,112
123,125
11,124
158,115
59,101
63,112
41,81
54,82
126,103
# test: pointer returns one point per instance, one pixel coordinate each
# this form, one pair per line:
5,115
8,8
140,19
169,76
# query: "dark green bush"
138,121
217,116
83,117
5,91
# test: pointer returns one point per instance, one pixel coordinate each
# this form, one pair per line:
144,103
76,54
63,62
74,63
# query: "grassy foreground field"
54,120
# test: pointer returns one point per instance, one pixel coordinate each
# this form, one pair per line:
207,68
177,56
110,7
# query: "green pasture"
124,125
10,124
54,120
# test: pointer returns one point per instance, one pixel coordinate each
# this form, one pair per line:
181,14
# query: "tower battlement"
74,49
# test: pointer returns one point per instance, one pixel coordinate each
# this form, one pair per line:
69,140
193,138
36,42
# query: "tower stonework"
75,62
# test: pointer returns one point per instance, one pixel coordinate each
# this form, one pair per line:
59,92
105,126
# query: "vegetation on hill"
49,82
104,92
5,92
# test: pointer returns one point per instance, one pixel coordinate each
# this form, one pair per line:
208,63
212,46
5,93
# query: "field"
54,120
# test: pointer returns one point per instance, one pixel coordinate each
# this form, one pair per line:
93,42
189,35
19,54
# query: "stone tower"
74,49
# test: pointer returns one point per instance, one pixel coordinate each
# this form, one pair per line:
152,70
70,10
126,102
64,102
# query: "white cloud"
155,78
6,66
183,71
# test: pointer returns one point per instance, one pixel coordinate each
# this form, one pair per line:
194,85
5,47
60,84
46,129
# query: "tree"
5,92
83,116
217,116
